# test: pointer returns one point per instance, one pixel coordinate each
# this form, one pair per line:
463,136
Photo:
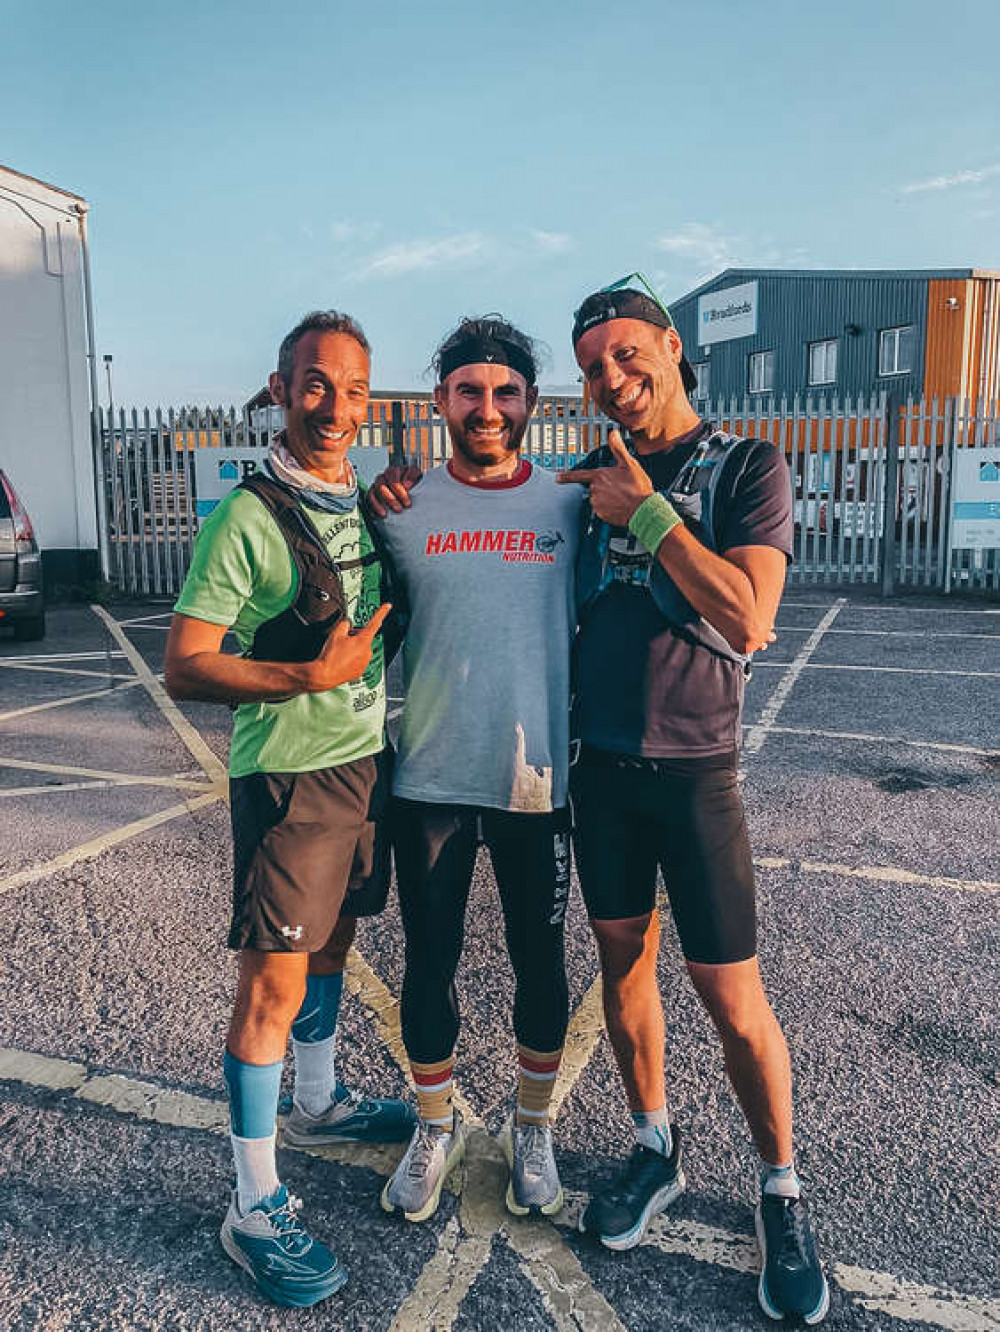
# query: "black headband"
626,303
475,350
623,304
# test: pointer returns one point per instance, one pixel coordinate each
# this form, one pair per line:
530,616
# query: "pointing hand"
615,492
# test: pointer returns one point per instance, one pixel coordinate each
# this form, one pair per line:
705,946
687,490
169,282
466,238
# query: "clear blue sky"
411,163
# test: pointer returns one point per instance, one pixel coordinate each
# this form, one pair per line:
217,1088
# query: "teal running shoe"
791,1277
272,1244
351,1118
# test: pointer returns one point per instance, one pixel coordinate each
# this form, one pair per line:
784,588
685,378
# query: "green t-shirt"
242,574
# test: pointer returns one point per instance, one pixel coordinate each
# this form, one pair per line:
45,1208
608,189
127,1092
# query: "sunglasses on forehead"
647,286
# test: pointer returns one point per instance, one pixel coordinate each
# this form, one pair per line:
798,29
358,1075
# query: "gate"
873,480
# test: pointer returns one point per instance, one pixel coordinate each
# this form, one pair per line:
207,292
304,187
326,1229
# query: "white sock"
256,1172
781,1180
315,1075
652,1130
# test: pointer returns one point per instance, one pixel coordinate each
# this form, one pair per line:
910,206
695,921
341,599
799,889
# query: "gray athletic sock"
652,1130
780,1180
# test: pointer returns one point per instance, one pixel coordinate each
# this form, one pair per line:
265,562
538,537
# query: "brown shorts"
307,847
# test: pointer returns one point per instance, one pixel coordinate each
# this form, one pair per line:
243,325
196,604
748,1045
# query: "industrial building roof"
874,274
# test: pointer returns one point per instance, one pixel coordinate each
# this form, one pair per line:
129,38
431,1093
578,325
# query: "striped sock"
536,1081
652,1130
435,1091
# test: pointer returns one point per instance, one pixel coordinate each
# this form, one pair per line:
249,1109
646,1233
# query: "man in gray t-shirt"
485,556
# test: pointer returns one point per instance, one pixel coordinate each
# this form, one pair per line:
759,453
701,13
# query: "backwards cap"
627,303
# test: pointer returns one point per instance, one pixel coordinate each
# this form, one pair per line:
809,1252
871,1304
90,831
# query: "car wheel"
30,631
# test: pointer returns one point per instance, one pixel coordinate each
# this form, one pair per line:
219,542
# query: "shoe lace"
793,1246
286,1222
534,1140
632,1177
422,1151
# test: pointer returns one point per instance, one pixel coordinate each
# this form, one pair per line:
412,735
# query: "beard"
483,453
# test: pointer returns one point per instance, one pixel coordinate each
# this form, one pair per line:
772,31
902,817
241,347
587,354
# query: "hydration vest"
613,555
299,632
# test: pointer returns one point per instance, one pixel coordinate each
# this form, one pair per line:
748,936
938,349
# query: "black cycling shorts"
684,816
308,847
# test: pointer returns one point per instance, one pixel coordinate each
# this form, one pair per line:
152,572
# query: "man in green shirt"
303,764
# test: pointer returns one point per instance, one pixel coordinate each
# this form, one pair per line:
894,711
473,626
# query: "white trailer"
47,371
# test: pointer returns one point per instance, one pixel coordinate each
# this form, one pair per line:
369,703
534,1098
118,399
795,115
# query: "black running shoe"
649,1183
791,1278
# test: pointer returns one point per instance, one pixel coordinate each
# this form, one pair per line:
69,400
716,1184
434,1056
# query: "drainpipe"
81,209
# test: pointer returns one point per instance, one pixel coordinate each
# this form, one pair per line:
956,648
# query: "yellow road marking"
877,874
197,747
584,1031
194,784
96,847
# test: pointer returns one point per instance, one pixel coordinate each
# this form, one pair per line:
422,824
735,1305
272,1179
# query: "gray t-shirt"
488,572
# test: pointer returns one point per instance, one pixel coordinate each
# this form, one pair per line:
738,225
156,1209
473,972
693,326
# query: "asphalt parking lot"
872,762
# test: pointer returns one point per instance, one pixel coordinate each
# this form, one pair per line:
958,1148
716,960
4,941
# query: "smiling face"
325,402
633,371
486,408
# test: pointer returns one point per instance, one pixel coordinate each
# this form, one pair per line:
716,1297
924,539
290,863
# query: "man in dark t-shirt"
681,570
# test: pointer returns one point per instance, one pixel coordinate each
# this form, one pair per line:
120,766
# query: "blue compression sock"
317,1018
253,1096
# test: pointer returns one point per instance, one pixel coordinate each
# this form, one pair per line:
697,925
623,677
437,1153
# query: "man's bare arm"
737,593
196,668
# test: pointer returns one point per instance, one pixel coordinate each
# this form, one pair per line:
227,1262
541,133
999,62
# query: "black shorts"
307,848
684,816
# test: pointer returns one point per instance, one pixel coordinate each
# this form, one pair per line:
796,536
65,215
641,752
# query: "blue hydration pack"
611,555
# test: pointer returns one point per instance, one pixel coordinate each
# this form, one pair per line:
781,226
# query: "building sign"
216,471
731,313
976,499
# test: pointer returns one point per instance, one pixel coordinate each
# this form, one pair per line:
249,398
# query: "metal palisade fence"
881,489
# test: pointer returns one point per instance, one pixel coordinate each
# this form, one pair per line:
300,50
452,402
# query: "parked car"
20,568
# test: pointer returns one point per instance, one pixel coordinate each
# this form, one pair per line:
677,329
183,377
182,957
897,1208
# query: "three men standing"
681,568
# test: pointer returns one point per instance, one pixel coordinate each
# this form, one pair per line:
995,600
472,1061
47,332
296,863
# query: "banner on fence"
976,498
216,471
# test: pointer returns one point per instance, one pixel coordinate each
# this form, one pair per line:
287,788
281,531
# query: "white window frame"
702,370
829,350
892,337
764,359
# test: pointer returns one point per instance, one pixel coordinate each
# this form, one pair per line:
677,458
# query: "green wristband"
652,520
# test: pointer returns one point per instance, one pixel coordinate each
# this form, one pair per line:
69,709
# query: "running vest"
606,558
299,632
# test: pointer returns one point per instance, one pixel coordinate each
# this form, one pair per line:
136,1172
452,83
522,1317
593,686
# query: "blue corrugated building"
926,332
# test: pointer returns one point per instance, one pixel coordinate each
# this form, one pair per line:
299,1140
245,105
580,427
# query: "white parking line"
196,746
895,670
67,699
465,1246
790,602
146,619
55,670
96,847
891,633
867,739
759,732
73,656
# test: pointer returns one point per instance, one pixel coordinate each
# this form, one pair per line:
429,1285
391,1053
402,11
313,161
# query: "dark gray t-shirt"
642,686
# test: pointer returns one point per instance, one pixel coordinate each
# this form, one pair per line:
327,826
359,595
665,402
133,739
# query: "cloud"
551,242
421,255
701,245
953,181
